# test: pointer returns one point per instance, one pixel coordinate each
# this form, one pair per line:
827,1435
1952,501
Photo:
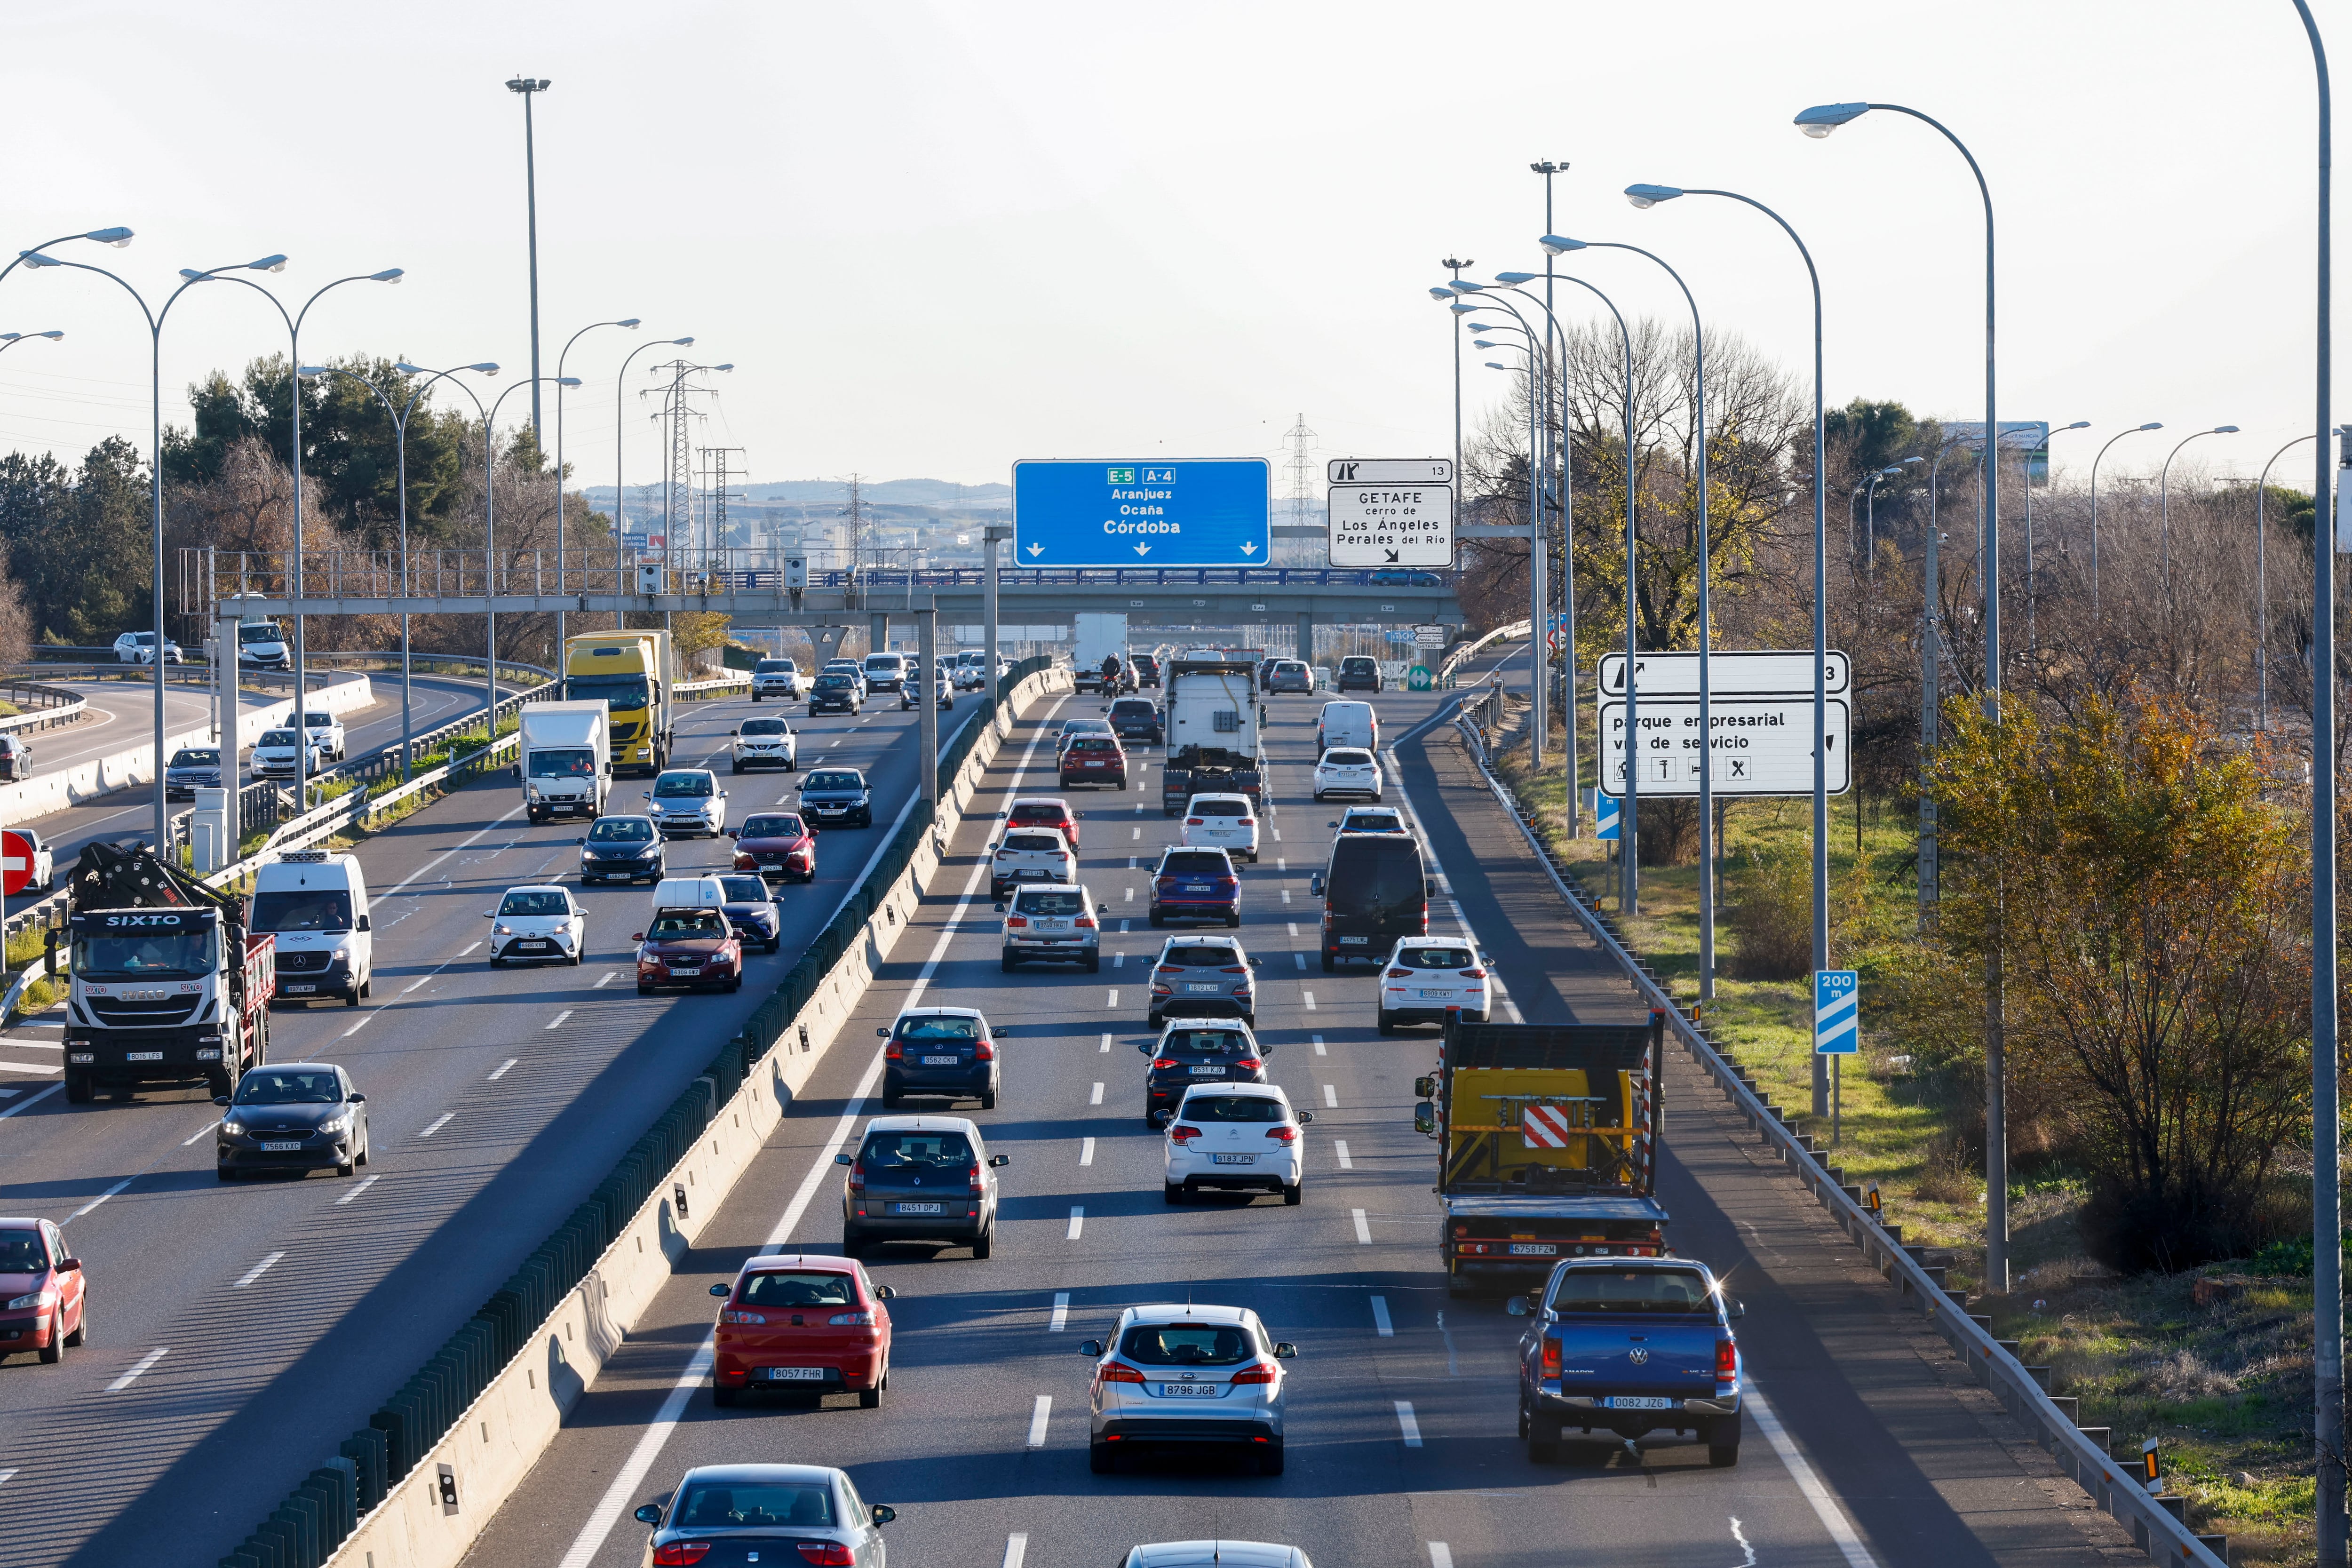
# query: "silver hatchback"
1198,974
1178,1375
765,1513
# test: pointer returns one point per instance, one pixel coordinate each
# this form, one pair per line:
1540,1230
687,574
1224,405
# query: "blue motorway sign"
1186,512
1837,997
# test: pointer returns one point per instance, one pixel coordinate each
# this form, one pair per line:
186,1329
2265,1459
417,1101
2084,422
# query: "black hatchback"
945,1051
1135,718
1187,1054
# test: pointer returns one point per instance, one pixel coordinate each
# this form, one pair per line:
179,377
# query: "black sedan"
1135,718
837,797
752,910
1187,1054
192,768
297,1116
622,848
836,692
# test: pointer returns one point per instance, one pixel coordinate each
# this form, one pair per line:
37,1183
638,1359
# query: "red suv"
44,1297
1098,760
808,1324
1041,811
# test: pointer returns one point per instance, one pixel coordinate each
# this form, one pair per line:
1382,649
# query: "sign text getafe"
1391,511
1189,512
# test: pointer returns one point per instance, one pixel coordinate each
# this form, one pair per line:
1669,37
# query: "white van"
689,893
316,904
885,671
1347,724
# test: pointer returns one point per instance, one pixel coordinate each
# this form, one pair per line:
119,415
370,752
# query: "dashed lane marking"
557,1022
1085,1152
1096,1098
1363,1227
1340,1153
1061,1318
438,1122
1381,1324
503,1068
1407,1424
104,1196
1301,959
257,1270
1114,997
1106,1045
1016,1546
1318,1045
1330,1098
1077,1221
1309,998
610,975
365,1183
137,1368
1037,1417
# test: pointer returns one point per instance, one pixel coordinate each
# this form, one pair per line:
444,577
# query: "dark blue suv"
1195,885
944,1051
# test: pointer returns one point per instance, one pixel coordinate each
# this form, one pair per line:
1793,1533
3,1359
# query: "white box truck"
567,762
1101,636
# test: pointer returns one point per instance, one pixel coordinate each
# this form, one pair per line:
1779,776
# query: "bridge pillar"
878,632
1307,638
926,626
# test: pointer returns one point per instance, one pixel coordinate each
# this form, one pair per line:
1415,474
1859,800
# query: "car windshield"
774,1288
317,719
763,727
1668,1290
1133,707
1234,1108
301,909
1357,665
836,680
539,901
1094,743
720,1504
621,831
773,667
1347,759
259,634
1371,822
885,663
1220,806
1208,1045
940,1027
823,779
672,785
1196,863
686,924
1048,813
893,1150
1188,1344
1436,958
1290,666
289,1086
1033,843
141,638
772,828
277,738
744,890
1200,955
563,762
21,1252
147,954
621,691
192,758
1377,877
1044,903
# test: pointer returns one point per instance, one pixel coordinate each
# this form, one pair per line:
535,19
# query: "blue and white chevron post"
1837,993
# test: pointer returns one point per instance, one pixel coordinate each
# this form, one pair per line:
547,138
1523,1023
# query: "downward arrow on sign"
1143,550
1250,548
1036,550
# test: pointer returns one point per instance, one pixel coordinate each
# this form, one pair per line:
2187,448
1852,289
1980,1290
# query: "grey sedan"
764,1513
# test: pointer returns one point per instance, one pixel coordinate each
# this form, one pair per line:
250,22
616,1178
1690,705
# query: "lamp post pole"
491,549
529,88
2033,636
1454,265
2152,424
620,496
630,322
1870,511
2164,496
2262,593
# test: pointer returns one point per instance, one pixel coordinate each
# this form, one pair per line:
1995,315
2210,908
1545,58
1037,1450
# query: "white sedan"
1348,770
538,922
1226,822
1427,978
766,744
1234,1137
273,755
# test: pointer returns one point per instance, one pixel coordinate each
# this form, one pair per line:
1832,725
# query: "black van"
1374,891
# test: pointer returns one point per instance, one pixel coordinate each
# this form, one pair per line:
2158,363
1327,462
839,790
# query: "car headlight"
233,1129
339,1124
37,1299
502,930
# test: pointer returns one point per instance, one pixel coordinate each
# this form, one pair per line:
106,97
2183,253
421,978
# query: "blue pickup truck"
1628,1347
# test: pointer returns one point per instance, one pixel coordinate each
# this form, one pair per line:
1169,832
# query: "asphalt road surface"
241,1330
1865,1444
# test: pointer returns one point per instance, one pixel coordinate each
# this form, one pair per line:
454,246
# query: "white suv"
1348,770
775,677
1030,855
1225,822
1427,978
766,742
326,730
1187,1373
1236,1136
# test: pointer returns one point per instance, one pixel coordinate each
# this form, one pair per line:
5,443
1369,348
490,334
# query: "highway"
1865,1443
240,1331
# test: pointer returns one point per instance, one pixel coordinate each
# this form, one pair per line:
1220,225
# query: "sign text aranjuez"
1192,512
1141,497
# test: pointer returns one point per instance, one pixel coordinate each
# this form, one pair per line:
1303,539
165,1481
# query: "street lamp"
631,322
1817,122
2032,636
620,496
529,88
1539,670
2164,496
2152,424
2262,593
1870,509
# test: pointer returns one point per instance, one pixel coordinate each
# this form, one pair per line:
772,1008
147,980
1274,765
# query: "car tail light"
1727,1361
1012,920
852,1320
972,1177
1192,822
1169,969
1184,1134
1244,822
1474,974
892,1052
1256,1371
857,1179
1117,1372
1399,973
733,1315
1229,881
826,1553
1004,854
1160,1064
679,1553
1236,969
1161,988
985,1051
1550,1356
1283,1134
1251,1063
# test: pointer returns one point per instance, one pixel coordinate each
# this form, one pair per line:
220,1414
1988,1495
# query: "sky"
936,238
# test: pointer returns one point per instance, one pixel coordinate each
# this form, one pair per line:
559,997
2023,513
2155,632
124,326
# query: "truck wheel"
219,1082
1719,1454
78,1088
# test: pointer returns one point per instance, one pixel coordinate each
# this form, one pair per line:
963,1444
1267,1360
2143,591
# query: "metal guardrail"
1454,659
2159,1525
41,706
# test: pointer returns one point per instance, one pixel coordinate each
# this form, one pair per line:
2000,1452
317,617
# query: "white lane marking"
1096,1098
364,1020
1016,1546
1439,1556
35,1069
257,1270
1330,1098
1285,895
137,1367
1381,1324
1061,1318
1277,836
1301,959
1309,998
416,983
1407,1424
503,1068
13,1093
5,1475
467,948
655,1437
1139,833
1318,1045
1119,961
1294,927
364,1184
1280,864
1106,1045
201,1134
1044,1408
438,1122
1114,997
469,843
1340,1153
41,1024
610,975
557,1022
1077,1221
1122,925
1363,1227
102,1197
1130,863
1825,1507
1130,895
1085,1152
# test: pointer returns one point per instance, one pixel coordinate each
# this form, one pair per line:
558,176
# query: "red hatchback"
44,1297
693,947
1098,760
813,1324
1043,811
779,844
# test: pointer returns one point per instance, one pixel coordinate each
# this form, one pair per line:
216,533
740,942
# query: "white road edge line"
137,1367
1825,1507
1407,1424
1061,1318
1037,1417
257,1270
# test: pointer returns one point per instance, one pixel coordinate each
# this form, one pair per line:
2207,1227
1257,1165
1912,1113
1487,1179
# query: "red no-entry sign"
16,863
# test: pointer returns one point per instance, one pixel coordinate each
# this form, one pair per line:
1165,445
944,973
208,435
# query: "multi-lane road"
1866,1443
241,1331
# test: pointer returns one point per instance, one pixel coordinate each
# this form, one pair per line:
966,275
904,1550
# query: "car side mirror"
356,1098
490,914
580,841
1737,1310
1305,1117
1000,909
1330,824
649,1514
881,1034
734,731
1000,1161
1429,887
644,795
844,1160
1425,1088
722,1291
1284,1351
1517,1306
1315,885
883,1513
1090,1347
220,1099
68,1264
1424,1119
363,923
885,1293
515,772
636,936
